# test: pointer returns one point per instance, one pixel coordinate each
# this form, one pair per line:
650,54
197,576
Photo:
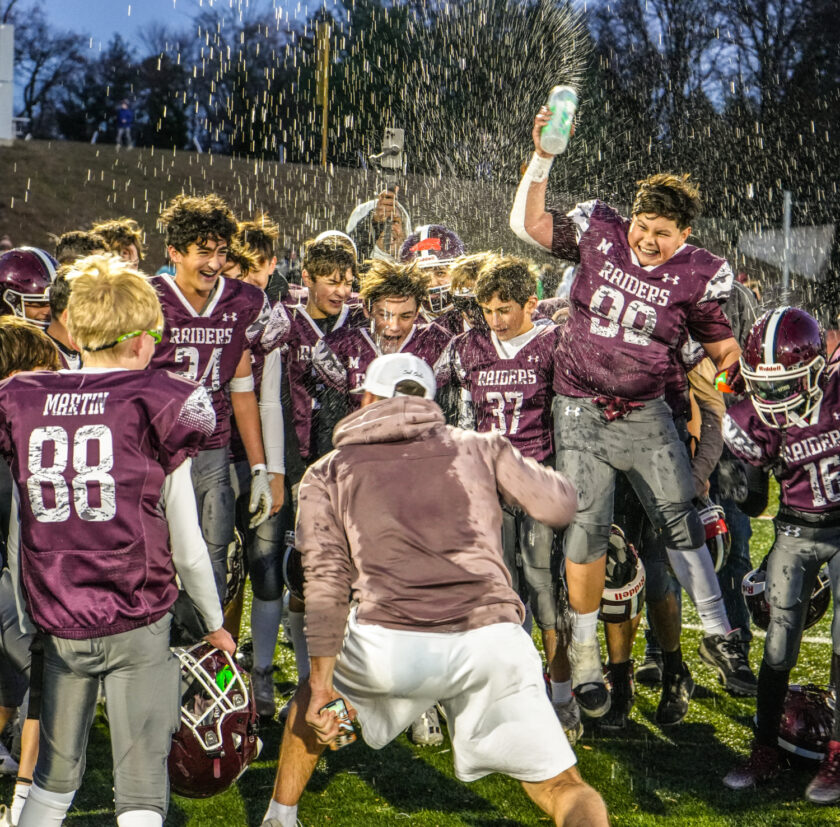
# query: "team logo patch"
570,411
790,530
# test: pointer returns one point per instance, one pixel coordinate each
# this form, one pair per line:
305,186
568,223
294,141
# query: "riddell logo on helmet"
630,592
773,367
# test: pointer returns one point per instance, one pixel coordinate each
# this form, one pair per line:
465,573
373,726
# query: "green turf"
646,776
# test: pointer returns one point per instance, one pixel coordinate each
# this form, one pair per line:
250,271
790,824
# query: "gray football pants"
14,647
142,691
216,503
644,445
795,560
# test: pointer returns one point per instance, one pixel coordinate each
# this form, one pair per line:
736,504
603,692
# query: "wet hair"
78,244
191,219
672,196
120,234
261,236
243,255
109,298
389,280
59,291
24,346
508,278
322,258
464,272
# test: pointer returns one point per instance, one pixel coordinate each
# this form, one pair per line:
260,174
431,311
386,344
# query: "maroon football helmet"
807,721
718,538
433,245
25,276
217,739
753,586
293,567
624,586
782,364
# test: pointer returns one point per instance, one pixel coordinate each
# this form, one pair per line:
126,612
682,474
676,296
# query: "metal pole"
786,253
323,84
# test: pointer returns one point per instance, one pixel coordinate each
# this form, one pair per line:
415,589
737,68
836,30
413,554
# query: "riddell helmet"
624,586
782,364
753,589
807,721
235,568
25,276
718,538
433,245
217,739
293,567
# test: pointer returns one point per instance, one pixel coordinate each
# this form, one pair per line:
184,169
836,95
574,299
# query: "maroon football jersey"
297,336
805,461
89,451
206,347
626,320
509,385
452,321
341,358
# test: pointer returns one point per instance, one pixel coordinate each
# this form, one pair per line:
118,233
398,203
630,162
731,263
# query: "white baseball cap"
386,372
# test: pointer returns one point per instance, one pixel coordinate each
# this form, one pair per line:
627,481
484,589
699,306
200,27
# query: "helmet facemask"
17,303
784,397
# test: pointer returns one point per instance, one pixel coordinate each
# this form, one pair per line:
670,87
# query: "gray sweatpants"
142,691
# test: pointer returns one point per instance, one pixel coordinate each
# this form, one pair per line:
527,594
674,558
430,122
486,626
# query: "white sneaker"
8,765
588,684
262,684
426,731
568,713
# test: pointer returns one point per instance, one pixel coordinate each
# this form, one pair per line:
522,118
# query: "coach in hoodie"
404,518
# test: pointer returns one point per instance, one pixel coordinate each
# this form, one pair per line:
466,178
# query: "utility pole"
7,83
786,208
323,84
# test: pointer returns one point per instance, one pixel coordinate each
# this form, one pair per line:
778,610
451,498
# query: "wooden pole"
323,85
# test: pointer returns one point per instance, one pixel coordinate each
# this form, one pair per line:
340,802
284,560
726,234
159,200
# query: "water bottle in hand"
555,134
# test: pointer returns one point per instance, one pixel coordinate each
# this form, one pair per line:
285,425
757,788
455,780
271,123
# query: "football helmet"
807,720
624,586
782,366
234,568
217,739
25,276
433,245
753,587
718,538
293,567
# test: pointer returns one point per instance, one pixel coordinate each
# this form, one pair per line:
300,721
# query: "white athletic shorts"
489,682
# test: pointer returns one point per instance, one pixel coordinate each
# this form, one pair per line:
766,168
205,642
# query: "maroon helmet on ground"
433,245
782,364
807,721
624,585
753,589
217,739
25,276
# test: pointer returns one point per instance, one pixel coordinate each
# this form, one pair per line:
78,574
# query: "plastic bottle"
562,102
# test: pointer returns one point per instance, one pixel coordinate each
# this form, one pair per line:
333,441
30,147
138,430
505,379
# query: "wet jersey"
206,347
805,461
626,320
342,357
451,320
507,385
89,451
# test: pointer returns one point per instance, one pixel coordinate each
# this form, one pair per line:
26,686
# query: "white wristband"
538,169
260,466
242,384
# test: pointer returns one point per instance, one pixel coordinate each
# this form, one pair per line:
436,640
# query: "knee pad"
536,544
217,515
784,637
584,543
681,526
265,559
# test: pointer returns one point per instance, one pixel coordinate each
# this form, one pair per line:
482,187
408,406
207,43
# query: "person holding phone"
434,616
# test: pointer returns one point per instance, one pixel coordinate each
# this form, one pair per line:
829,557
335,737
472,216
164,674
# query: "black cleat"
677,690
727,656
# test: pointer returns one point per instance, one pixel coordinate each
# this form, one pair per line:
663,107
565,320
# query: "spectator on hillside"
125,120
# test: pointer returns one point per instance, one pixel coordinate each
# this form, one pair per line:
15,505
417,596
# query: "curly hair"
389,280
120,233
24,346
191,219
464,272
260,235
672,196
322,258
78,244
244,256
507,277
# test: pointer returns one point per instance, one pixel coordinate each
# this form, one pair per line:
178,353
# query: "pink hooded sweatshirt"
404,518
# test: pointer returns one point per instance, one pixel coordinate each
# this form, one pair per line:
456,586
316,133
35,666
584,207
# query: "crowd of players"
628,387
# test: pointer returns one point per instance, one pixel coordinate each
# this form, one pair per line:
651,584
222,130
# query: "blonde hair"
108,299
463,273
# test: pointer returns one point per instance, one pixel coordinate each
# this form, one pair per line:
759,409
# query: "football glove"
260,503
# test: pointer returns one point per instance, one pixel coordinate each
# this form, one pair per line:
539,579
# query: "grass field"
647,777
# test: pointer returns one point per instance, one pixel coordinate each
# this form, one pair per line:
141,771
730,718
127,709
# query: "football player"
78,244
261,236
25,276
505,375
123,237
59,294
638,289
210,326
789,426
100,458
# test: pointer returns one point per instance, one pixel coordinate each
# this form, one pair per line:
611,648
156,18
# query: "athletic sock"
139,818
284,813
299,644
672,661
620,673
265,626
561,691
585,626
45,809
696,573
772,688
21,793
